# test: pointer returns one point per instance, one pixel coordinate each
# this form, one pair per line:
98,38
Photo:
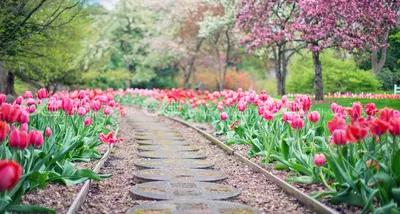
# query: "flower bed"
355,155
43,139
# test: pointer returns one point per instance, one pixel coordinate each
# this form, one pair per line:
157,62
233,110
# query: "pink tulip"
2,98
88,121
48,132
107,110
35,138
223,116
297,122
27,94
42,94
313,116
319,159
18,139
81,111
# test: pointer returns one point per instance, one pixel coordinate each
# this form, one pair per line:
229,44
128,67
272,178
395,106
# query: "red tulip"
223,116
355,133
67,104
370,109
336,124
4,129
18,139
9,113
10,173
313,116
356,111
339,137
379,127
88,121
386,114
42,94
319,159
35,138
48,132
297,122
3,98
394,128
109,139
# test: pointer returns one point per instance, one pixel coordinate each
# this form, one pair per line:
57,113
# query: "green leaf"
349,197
29,209
285,149
323,194
87,173
303,179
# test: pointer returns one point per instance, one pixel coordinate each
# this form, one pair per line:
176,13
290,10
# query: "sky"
108,4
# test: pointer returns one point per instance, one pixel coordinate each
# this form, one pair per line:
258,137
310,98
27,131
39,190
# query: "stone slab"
174,163
180,174
162,142
193,207
175,155
169,148
159,138
172,190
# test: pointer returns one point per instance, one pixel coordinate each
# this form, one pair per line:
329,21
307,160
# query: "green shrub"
339,75
110,79
388,78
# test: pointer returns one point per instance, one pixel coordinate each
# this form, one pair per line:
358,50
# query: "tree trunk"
377,64
319,87
278,71
190,70
6,81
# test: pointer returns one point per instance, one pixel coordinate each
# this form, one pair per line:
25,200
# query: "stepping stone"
174,163
167,155
193,207
172,190
159,138
170,148
162,142
180,174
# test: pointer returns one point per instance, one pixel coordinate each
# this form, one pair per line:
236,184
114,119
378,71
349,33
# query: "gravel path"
112,195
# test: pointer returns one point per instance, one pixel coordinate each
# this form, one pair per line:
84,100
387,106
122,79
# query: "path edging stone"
82,195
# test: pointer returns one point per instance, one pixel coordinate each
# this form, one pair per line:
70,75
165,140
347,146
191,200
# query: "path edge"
305,199
83,193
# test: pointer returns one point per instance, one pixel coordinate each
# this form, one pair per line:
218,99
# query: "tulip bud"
81,111
67,104
313,116
18,139
339,137
35,138
81,94
88,121
394,128
10,173
32,109
24,127
319,159
23,117
42,94
48,132
4,129
223,116
19,100
297,122
107,110
27,94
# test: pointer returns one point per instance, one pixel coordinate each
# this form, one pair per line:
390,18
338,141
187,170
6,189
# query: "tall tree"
24,20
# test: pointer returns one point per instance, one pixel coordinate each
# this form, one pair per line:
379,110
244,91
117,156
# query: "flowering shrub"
43,138
355,155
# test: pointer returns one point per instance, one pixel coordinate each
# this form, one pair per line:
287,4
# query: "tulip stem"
299,141
324,181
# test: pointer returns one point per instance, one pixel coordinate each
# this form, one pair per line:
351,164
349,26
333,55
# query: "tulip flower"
109,139
107,110
88,121
297,122
355,133
48,132
373,164
9,113
18,139
23,117
394,126
355,111
19,100
24,127
313,116
386,114
42,94
4,129
81,94
339,137
27,94
32,109
223,116
319,159
52,105
3,98
370,109
10,173
336,124
35,138
96,105
268,115
379,127
81,111
67,104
